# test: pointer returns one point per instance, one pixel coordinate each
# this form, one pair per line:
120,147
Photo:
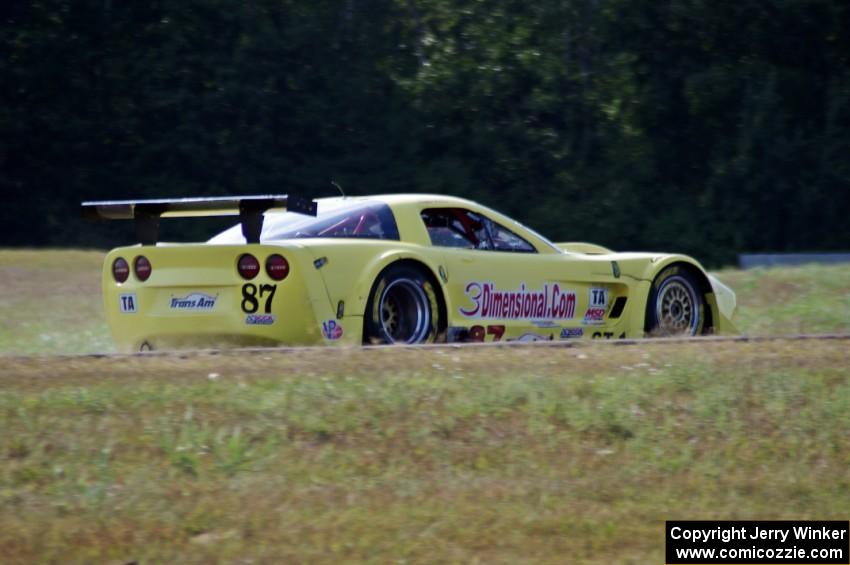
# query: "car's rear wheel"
402,307
676,306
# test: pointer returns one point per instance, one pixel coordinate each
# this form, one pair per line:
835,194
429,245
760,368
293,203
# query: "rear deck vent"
617,309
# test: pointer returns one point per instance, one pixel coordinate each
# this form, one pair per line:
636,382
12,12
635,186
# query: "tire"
676,306
402,308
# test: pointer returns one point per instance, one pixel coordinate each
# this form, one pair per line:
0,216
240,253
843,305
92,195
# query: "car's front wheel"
675,307
402,307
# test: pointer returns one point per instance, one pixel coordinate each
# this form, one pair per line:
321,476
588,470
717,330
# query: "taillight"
277,267
248,266
120,270
142,268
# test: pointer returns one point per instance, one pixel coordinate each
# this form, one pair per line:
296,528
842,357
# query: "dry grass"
51,302
497,455
811,299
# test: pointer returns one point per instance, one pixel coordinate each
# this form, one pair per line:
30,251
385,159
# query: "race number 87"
478,333
252,294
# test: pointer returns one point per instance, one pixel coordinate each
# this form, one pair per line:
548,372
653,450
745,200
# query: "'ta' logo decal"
599,297
128,303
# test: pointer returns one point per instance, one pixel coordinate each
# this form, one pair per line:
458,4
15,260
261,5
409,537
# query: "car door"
500,286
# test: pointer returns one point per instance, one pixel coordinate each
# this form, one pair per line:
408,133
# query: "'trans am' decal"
197,301
551,302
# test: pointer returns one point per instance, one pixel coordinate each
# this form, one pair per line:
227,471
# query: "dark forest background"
703,126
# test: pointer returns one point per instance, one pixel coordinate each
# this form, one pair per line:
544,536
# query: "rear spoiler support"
146,213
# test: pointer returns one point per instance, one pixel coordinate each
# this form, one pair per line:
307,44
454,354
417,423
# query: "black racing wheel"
676,306
402,307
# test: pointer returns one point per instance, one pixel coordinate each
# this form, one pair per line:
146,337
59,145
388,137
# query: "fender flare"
359,295
706,288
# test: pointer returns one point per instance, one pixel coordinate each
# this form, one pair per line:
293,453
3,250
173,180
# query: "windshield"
336,218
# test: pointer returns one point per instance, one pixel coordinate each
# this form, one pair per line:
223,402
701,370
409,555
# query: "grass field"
481,454
50,302
489,455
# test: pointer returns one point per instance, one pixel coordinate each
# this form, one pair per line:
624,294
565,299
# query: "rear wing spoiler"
146,213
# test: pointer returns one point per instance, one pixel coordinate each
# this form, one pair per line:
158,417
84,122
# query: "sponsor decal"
597,306
598,297
568,333
331,330
195,301
546,324
549,303
594,316
526,337
128,303
259,319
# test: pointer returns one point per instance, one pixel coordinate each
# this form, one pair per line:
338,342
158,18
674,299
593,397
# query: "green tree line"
699,126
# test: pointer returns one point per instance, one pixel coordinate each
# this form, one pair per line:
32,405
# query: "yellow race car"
386,269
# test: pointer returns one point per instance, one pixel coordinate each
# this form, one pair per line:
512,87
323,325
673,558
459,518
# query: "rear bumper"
194,298
146,331
311,323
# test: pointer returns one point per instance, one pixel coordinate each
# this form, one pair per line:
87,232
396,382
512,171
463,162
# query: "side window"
456,227
506,240
362,220
450,227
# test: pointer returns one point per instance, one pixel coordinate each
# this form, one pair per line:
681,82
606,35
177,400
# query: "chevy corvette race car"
386,269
